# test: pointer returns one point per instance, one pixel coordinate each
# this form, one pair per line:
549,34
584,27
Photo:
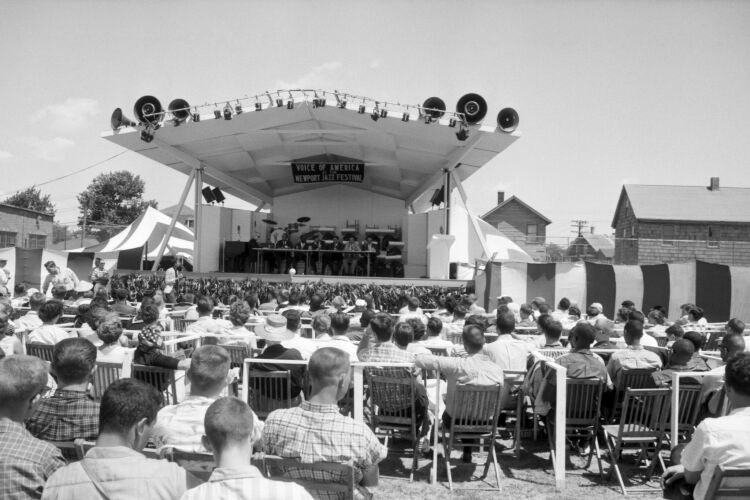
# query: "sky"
608,92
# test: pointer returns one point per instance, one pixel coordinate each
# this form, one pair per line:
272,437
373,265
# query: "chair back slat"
553,353
237,353
645,413
105,374
161,378
438,351
662,341
583,399
320,479
477,408
269,391
689,407
41,351
392,397
199,464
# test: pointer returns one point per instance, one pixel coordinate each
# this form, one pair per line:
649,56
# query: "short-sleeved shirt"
509,353
65,416
25,462
634,357
718,441
584,364
247,482
49,334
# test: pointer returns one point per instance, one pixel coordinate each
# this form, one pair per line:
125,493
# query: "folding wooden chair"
728,484
41,351
392,410
84,446
645,413
639,378
438,351
237,354
476,409
511,404
662,341
105,374
70,450
582,413
199,464
269,391
161,378
321,479
553,354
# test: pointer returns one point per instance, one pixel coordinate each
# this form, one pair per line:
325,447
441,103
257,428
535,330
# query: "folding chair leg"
497,467
551,441
447,445
598,457
615,460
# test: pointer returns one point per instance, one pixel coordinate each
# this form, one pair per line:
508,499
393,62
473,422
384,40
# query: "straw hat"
275,329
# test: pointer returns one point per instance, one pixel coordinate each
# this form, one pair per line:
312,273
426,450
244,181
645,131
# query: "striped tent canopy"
722,291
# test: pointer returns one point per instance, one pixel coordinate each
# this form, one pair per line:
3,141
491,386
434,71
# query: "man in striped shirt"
229,430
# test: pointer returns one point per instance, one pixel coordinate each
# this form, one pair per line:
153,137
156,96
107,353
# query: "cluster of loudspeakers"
213,195
474,108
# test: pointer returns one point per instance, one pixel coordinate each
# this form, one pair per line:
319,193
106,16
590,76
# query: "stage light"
427,119
452,122
361,109
218,195
146,135
208,195
383,113
227,112
279,103
405,117
315,103
217,114
238,108
323,102
462,134
258,106
375,115
290,104
342,104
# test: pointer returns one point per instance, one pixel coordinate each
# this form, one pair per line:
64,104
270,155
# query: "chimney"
501,196
714,184
592,229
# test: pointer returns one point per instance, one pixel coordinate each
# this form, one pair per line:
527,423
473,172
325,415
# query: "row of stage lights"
470,109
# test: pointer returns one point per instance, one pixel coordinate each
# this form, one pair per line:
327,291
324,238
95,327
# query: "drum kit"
292,227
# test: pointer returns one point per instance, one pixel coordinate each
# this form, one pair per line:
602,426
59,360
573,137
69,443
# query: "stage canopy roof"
250,155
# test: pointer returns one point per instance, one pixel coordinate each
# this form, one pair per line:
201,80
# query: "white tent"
149,231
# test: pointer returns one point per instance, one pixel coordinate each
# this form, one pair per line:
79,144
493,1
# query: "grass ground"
530,477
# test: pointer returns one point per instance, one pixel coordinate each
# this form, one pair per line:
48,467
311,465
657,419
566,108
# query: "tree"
111,202
32,199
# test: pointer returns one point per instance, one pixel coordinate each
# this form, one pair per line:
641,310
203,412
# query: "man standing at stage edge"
171,280
58,276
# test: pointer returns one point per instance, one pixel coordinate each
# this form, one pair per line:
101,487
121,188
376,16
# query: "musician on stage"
99,276
171,283
283,258
316,260
350,259
335,259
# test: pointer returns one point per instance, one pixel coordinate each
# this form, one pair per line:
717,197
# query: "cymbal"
302,220
270,222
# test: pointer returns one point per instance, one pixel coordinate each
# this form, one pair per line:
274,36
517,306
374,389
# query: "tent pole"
447,200
473,219
173,222
198,217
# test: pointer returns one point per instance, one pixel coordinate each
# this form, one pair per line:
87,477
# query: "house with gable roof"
521,223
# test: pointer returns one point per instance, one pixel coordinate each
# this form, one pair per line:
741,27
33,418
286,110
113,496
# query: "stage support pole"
447,200
198,218
173,222
472,218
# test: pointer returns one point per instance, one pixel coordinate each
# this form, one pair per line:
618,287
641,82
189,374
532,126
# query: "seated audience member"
506,351
205,324
470,301
403,337
230,427
561,313
186,305
295,341
552,332
239,313
574,314
682,353
731,344
316,305
634,356
20,295
527,316
717,441
70,413
674,332
114,467
412,307
434,337
321,325
420,329
696,364
696,318
121,305
622,315
109,332
25,461
604,330
31,321
476,369
150,343
736,325
180,426
628,304
456,325
49,312
315,431
544,308
9,342
275,333
594,312
339,338
535,303
580,361
93,317
656,317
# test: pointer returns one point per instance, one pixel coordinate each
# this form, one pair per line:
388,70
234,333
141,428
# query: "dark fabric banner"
490,283
655,286
540,282
81,264
601,287
29,266
713,290
130,259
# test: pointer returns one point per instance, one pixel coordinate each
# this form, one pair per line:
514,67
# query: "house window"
532,235
668,235
713,237
37,240
7,239
189,223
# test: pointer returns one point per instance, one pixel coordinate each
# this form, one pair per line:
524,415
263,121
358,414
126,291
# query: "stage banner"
29,267
488,285
681,287
655,287
81,264
740,294
540,282
601,287
629,285
514,281
570,282
130,259
713,290
312,172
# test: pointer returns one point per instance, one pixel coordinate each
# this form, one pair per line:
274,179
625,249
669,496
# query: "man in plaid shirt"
25,462
315,431
70,413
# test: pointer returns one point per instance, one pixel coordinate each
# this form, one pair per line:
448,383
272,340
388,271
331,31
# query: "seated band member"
349,263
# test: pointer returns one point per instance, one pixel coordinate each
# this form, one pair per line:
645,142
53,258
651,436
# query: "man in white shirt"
306,347
711,384
339,339
205,324
48,333
506,351
634,356
30,321
58,276
718,441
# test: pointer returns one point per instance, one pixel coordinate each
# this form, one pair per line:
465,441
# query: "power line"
578,223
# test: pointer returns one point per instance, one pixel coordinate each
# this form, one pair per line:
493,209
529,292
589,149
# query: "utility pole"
577,225
85,216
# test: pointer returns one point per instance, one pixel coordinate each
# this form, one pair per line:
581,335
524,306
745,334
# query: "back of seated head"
338,302
94,316
656,317
585,335
574,311
120,294
473,338
506,322
696,313
537,300
732,343
466,301
188,298
100,301
147,300
604,326
36,300
83,309
735,325
413,303
19,289
403,334
634,329
294,298
316,302
228,421
326,365
553,330
369,301
284,295
21,379
239,313
676,331
525,309
450,303
293,319
321,323
204,306
126,402
737,373
382,326
59,292
542,320
150,314
592,311
434,327
109,329
366,317
209,367
460,311
628,304
503,308
696,338
478,320
564,304
544,308
418,327
637,315
50,310
340,323
73,360
682,351
251,299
